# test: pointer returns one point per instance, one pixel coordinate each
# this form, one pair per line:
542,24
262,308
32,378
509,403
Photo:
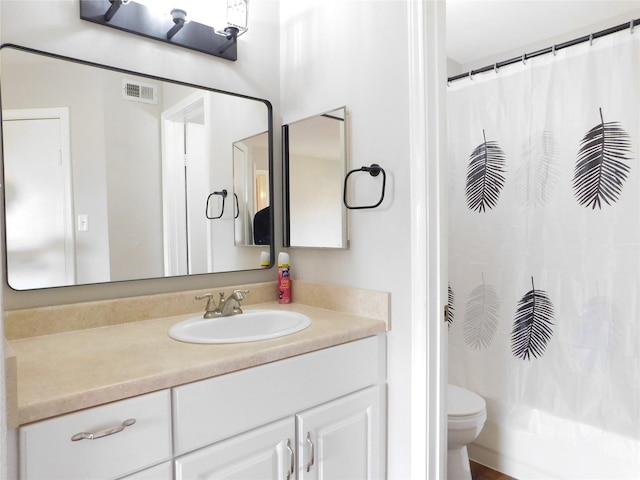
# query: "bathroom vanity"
299,406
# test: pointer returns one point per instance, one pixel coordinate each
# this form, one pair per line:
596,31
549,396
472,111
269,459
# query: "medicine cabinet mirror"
315,165
112,175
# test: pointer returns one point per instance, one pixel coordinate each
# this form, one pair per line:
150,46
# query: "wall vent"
139,92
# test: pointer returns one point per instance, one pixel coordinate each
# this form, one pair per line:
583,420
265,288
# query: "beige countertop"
69,371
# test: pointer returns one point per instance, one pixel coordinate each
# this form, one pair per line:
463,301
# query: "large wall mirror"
111,175
315,165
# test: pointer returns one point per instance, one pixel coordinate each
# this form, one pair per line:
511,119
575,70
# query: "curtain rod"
587,38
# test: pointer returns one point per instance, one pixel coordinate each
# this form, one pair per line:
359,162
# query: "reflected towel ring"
237,206
374,170
223,194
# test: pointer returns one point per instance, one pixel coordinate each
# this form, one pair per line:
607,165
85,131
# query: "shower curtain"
544,258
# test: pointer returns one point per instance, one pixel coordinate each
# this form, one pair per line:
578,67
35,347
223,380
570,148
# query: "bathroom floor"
480,472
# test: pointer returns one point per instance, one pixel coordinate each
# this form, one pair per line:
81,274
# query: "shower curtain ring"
524,58
470,74
631,27
591,40
553,50
495,67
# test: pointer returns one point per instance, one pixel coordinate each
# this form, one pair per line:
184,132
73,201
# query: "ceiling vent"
139,92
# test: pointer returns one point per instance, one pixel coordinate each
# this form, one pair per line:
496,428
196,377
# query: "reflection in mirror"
315,167
251,188
107,173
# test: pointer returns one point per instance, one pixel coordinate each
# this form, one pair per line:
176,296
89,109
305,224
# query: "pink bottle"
284,280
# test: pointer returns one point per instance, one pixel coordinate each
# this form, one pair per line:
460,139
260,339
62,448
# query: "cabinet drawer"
212,410
47,451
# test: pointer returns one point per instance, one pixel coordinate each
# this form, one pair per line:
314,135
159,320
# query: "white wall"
337,54
356,53
134,187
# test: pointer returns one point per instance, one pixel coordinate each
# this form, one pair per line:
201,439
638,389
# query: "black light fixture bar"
136,18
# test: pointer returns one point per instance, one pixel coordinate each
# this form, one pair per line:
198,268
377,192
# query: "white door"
261,454
185,186
39,210
197,174
342,439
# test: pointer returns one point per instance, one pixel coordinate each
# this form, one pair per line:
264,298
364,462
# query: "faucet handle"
211,303
239,294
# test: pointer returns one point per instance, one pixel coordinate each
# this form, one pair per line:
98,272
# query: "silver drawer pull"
312,460
292,457
103,433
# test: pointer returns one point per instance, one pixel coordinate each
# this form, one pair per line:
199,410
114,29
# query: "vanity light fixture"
179,22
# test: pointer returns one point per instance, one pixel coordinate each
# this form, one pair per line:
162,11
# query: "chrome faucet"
231,305
226,306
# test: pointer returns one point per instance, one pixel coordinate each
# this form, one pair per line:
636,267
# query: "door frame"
62,115
427,149
173,183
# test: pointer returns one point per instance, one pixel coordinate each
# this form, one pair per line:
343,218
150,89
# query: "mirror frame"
286,187
269,131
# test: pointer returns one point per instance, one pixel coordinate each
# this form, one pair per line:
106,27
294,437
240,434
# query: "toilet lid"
462,402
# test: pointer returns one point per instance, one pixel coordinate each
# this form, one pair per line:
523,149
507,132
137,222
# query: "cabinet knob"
103,433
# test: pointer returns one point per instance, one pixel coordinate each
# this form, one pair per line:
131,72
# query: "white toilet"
466,414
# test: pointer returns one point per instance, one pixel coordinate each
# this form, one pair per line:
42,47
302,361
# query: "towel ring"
223,194
374,170
237,205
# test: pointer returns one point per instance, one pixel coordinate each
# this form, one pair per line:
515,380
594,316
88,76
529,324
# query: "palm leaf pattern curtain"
543,207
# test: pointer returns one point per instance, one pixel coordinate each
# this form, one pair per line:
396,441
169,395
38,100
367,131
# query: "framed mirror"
112,175
315,165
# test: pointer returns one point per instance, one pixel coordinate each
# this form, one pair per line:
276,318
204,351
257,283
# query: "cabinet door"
164,471
343,438
261,454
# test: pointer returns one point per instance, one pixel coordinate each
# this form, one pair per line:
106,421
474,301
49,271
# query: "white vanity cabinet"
319,415
47,450
316,415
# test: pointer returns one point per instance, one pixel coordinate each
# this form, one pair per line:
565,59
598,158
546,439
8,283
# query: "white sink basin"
250,326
